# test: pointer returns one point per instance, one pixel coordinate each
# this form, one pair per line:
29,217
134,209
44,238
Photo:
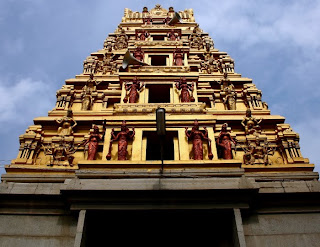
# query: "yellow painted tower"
159,59
99,149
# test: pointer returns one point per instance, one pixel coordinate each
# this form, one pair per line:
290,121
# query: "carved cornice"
151,107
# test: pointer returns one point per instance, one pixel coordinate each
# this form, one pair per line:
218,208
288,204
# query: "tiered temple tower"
221,144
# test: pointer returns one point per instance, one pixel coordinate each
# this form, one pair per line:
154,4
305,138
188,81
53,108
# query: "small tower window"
159,60
158,37
159,93
153,145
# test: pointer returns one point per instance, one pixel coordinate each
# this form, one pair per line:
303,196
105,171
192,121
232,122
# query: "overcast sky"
43,43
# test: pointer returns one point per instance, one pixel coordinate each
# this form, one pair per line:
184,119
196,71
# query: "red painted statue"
185,87
143,35
197,136
172,35
224,142
133,89
122,137
148,20
178,57
93,143
138,53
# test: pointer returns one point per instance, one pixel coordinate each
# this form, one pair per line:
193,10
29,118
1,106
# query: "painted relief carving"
172,35
227,93
61,153
178,57
121,41
225,143
257,152
185,88
92,143
123,138
196,40
209,64
147,20
138,54
66,124
142,35
133,90
197,138
251,124
89,92
108,65
208,43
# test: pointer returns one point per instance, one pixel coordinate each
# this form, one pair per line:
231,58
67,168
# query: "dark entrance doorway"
159,228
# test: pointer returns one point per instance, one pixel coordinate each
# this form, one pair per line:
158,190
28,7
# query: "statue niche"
133,90
108,65
92,143
178,57
89,92
138,54
123,138
91,65
29,145
196,40
257,152
61,153
226,64
197,137
185,88
251,124
142,35
228,93
66,124
121,41
210,64
172,35
64,97
225,143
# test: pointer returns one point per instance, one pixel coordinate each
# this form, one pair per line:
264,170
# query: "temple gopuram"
159,140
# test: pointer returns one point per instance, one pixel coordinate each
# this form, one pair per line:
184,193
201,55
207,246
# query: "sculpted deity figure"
121,40
147,20
230,97
172,35
133,89
185,87
197,144
90,86
67,124
62,153
143,35
178,57
208,43
257,152
87,101
138,53
251,124
108,65
87,91
122,137
93,142
225,142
